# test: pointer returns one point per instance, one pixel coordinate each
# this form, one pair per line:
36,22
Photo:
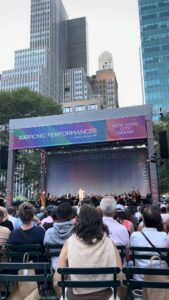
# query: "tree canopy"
162,164
23,103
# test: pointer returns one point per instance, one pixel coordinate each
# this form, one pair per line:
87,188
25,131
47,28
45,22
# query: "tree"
23,103
163,165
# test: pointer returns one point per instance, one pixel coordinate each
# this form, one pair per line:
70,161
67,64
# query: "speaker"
3,157
163,144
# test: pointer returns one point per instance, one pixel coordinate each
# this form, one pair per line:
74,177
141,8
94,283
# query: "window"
67,110
92,106
80,108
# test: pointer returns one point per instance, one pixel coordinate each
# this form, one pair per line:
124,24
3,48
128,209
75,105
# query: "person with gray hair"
117,232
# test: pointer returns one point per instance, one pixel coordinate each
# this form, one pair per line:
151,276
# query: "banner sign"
126,129
79,133
58,135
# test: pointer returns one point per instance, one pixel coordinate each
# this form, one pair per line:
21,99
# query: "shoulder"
38,229
135,236
49,231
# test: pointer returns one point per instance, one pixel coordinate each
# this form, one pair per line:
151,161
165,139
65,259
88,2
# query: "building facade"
154,28
76,85
93,103
105,61
77,43
56,44
104,83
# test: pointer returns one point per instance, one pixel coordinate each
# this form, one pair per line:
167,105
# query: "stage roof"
140,110
80,128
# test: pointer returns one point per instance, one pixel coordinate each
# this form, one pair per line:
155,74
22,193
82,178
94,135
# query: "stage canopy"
132,125
91,127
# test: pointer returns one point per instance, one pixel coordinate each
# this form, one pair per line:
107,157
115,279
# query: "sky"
113,25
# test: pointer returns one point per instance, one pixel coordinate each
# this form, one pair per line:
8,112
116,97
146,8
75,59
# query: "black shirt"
7,224
34,235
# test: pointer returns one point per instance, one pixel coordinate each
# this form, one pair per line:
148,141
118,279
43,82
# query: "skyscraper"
154,28
52,38
104,83
77,44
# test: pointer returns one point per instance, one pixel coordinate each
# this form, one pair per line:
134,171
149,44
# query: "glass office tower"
40,67
154,27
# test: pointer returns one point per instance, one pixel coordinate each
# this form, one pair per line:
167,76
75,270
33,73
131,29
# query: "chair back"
52,251
66,282
146,253
132,283
16,253
9,273
122,251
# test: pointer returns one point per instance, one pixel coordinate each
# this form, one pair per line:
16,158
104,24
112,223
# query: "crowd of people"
89,233
131,198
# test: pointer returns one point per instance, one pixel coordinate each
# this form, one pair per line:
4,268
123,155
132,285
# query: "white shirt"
158,239
118,233
164,217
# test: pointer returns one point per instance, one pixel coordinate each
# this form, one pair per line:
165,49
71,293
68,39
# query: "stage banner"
57,135
127,128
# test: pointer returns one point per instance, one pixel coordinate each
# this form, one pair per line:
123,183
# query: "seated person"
62,227
6,222
118,232
89,246
48,221
27,233
152,224
4,231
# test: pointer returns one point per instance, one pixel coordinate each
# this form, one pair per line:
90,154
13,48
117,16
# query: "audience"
90,246
48,219
11,215
62,227
5,222
4,232
164,213
152,224
27,233
89,235
125,218
118,233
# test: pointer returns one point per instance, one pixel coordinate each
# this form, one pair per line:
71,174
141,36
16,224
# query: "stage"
102,152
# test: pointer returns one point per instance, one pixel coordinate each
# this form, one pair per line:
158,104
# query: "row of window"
80,108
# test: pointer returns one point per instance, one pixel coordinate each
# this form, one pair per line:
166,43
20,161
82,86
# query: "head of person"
108,206
89,226
26,212
11,210
49,210
64,212
42,209
5,213
152,217
87,201
163,208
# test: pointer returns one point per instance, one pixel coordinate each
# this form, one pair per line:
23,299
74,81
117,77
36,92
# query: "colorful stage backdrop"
98,172
79,133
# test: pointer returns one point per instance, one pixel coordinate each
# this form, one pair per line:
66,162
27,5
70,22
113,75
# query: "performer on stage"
81,194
